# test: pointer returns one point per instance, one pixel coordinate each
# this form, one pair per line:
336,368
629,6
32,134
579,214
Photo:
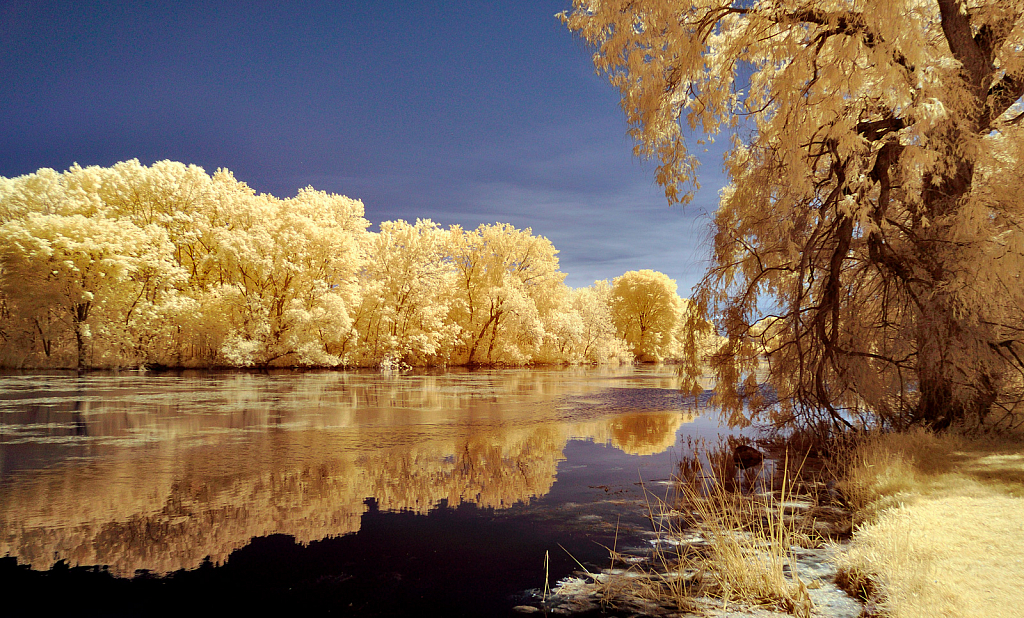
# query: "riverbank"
938,531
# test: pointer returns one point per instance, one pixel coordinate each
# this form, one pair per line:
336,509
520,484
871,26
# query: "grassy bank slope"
942,530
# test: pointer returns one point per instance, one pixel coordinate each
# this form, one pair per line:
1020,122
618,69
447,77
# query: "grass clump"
747,554
877,471
723,539
939,532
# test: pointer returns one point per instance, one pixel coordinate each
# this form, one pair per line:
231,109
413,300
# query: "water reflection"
160,472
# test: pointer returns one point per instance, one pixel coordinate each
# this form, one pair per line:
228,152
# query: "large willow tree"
870,242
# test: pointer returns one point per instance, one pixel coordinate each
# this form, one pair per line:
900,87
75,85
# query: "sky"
463,112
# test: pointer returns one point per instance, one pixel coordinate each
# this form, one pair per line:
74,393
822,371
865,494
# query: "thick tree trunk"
951,390
939,408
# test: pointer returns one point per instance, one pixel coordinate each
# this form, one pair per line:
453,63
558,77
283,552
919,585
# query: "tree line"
167,265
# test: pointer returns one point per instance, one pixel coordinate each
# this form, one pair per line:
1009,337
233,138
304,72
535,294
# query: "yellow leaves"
508,281
80,269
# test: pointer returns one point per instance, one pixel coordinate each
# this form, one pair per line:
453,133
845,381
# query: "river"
352,493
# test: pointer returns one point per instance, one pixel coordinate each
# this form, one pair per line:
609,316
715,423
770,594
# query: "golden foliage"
166,265
872,224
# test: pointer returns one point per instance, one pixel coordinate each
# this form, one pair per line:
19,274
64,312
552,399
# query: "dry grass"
942,531
748,550
878,471
714,542
940,534
723,539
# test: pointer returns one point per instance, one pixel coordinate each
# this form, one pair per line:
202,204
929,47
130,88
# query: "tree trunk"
938,407
80,346
81,314
952,389
478,338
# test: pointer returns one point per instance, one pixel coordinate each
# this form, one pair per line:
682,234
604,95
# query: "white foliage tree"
406,287
166,265
507,281
287,272
648,314
582,329
85,276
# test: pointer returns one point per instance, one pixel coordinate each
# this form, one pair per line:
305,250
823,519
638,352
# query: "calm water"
310,493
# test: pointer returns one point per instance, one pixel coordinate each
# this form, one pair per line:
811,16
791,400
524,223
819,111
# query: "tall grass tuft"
715,541
877,471
748,540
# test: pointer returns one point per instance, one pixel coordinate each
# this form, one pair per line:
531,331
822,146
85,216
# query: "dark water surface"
307,493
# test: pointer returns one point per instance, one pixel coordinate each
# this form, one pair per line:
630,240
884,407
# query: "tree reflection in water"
173,470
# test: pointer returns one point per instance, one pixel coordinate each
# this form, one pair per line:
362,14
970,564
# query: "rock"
526,609
793,506
834,603
746,456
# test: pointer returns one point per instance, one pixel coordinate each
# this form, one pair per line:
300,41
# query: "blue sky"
464,112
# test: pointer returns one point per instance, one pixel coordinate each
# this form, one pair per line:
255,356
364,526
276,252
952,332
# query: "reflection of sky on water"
159,472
